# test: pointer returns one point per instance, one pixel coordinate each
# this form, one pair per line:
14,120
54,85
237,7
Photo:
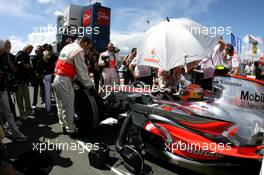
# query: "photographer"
107,60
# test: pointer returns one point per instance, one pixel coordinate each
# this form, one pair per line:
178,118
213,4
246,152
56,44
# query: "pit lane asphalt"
45,128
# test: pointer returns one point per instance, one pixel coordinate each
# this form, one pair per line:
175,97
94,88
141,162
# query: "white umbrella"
169,43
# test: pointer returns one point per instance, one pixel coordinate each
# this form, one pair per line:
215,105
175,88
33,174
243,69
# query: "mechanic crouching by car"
70,66
107,60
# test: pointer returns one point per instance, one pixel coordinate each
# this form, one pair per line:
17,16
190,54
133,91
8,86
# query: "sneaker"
18,136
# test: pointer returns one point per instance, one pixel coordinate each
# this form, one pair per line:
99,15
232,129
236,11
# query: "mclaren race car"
222,134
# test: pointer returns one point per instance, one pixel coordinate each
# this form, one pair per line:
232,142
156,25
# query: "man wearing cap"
5,111
70,66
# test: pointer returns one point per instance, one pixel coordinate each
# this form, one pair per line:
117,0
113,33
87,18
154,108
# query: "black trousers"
128,77
147,80
38,83
207,84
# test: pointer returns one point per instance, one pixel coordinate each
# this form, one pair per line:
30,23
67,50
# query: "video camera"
106,58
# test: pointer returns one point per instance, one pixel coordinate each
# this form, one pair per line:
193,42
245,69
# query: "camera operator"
5,111
108,60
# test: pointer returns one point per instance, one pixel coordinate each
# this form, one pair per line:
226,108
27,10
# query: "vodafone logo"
103,16
87,16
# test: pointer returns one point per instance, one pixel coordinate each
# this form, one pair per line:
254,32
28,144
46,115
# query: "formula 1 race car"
220,135
222,131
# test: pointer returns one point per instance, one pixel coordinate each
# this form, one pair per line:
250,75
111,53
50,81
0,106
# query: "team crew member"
141,72
70,66
107,60
235,61
208,65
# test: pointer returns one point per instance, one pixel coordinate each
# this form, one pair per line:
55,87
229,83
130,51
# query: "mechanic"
141,72
107,61
208,64
235,60
70,66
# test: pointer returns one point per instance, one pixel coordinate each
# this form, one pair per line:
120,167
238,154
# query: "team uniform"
70,66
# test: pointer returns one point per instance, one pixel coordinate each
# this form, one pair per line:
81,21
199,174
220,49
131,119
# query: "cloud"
14,8
58,13
34,38
44,1
156,11
195,7
126,41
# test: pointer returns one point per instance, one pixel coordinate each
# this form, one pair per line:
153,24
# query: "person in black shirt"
37,77
12,82
23,75
5,111
46,68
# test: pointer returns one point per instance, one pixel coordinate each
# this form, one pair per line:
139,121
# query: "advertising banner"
103,17
87,17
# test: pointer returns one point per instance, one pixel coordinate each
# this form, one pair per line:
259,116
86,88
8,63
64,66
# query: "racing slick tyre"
88,109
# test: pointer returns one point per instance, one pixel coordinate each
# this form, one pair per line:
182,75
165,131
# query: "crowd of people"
17,72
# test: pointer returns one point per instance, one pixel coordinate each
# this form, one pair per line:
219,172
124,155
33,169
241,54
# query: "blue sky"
128,19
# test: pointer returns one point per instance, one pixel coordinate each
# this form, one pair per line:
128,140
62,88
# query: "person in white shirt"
108,61
249,69
235,60
141,72
208,65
